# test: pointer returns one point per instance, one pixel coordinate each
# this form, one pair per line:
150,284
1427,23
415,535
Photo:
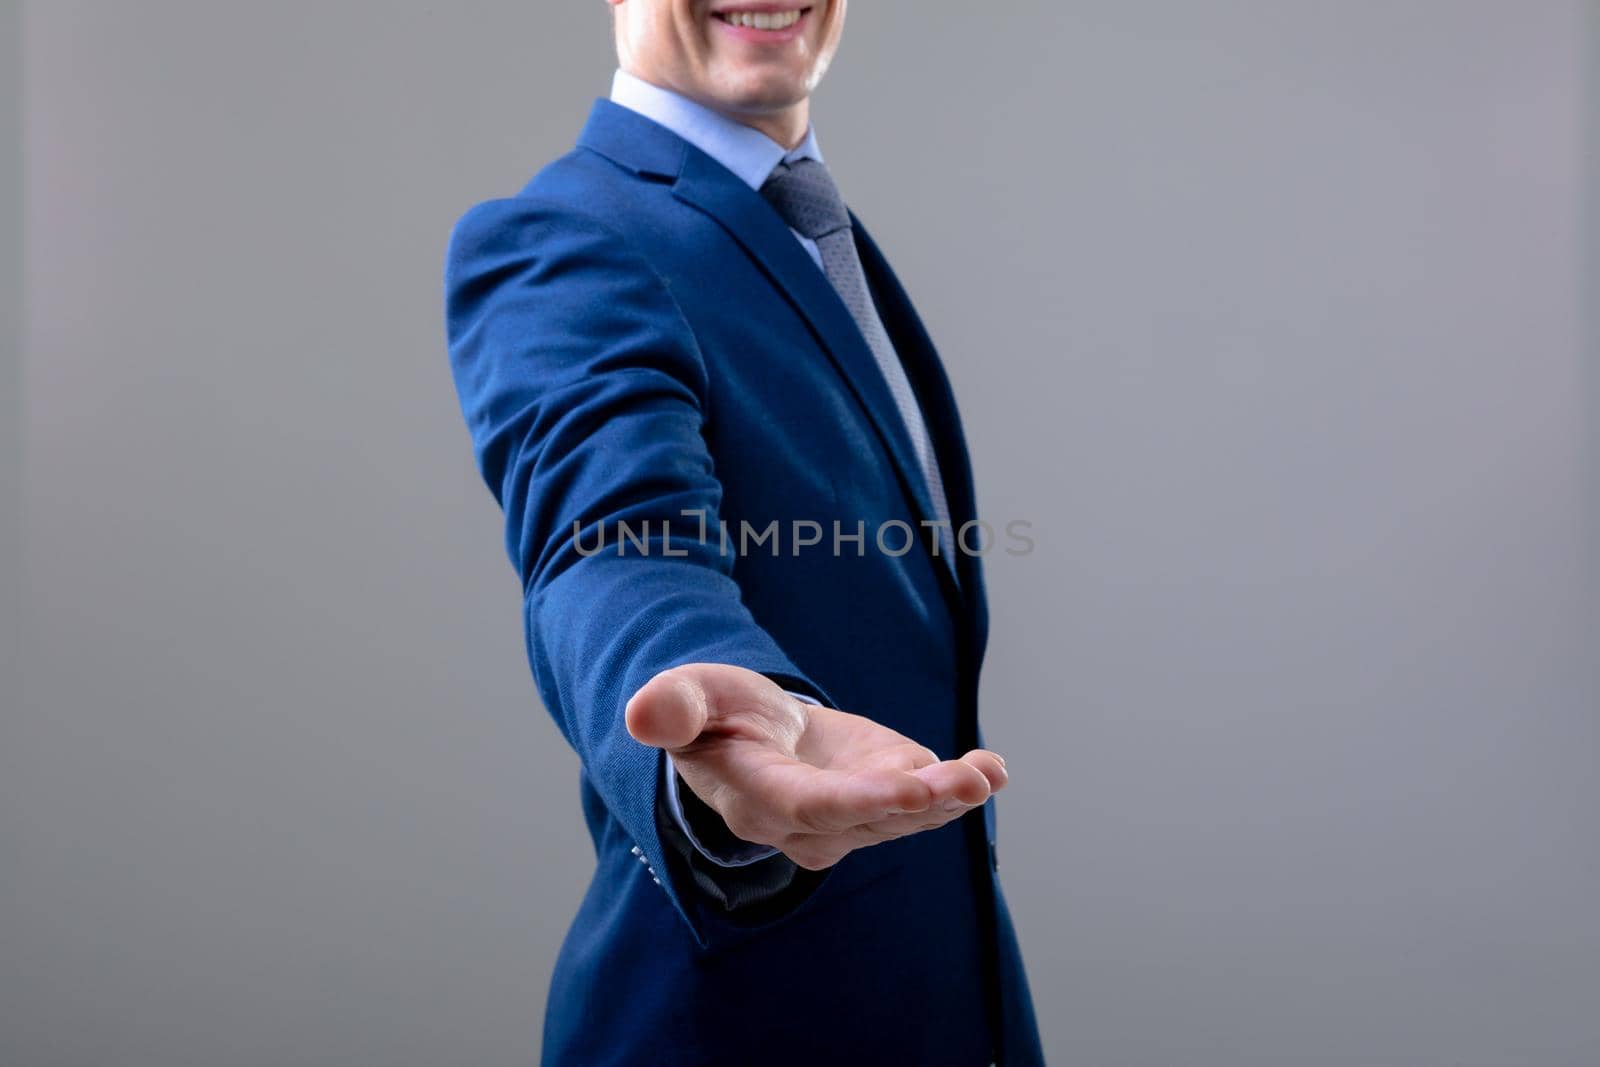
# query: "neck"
788,127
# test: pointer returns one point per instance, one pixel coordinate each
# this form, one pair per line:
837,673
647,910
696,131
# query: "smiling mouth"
768,20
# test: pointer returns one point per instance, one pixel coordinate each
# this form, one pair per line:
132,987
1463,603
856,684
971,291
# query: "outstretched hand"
810,781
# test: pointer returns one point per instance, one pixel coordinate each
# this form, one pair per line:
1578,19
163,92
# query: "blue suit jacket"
636,335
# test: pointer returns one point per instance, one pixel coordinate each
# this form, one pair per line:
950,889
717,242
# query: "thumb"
668,711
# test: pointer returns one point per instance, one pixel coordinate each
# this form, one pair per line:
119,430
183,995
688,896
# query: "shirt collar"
750,154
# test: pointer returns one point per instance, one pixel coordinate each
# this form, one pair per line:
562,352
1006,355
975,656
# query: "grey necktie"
805,196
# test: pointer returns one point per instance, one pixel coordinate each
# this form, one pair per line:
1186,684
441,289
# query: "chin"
756,93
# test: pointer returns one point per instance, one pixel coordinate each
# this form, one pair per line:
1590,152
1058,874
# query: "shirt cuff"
741,857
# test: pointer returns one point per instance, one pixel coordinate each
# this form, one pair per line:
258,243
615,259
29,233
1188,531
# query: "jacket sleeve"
585,394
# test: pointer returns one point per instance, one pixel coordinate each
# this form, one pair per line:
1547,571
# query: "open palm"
812,782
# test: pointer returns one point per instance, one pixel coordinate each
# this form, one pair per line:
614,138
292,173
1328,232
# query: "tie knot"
804,195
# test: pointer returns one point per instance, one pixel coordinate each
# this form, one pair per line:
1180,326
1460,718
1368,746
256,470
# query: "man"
702,398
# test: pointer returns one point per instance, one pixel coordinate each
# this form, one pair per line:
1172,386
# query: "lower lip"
750,33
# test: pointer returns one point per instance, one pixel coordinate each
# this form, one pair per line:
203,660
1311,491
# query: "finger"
908,824
834,801
877,833
668,711
882,830
956,784
991,766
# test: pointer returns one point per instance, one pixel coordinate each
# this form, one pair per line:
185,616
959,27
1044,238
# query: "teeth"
761,20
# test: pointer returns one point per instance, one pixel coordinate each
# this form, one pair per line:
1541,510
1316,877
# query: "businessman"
738,497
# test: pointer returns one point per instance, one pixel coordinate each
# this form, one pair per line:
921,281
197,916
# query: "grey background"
10,351
1275,317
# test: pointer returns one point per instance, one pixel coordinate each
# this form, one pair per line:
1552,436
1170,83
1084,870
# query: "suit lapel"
750,220
655,153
